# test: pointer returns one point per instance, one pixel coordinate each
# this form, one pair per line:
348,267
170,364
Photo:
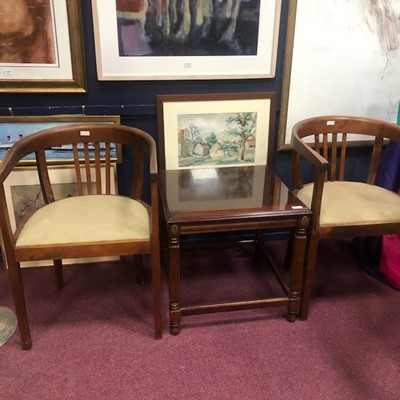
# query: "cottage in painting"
250,148
201,149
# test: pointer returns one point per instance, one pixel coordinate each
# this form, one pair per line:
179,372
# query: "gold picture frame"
64,73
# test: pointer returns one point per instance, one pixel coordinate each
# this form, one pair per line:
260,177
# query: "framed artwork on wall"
13,129
185,40
216,130
340,58
41,47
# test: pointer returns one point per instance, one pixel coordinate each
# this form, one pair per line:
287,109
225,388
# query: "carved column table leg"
298,243
174,279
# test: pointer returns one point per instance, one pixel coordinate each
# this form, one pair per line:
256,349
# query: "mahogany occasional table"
231,199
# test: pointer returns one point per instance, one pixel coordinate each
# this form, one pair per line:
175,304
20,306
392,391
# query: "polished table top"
218,193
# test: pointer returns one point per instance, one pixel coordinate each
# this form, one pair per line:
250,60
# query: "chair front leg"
17,288
308,279
156,285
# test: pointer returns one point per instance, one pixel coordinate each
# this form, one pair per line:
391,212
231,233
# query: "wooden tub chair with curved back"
94,223
341,208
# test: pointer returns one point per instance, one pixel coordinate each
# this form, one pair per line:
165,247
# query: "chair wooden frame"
326,148
84,137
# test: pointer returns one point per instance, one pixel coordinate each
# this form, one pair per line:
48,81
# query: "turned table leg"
174,279
298,248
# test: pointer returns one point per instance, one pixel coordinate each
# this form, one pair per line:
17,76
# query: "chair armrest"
301,149
308,153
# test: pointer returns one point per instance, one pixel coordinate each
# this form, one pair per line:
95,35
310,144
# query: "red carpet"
94,340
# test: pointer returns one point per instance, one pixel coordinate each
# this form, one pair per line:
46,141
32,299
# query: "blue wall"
136,101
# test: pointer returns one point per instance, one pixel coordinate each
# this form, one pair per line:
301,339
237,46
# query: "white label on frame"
84,133
330,122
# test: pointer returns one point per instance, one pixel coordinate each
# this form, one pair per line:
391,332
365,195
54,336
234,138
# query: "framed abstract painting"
154,40
41,46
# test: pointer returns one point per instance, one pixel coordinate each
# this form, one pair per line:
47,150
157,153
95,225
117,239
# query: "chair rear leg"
17,288
308,279
58,269
137,261
138,267
156,285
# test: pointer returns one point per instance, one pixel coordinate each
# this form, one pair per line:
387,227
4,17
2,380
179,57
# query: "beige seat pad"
352,203
86,219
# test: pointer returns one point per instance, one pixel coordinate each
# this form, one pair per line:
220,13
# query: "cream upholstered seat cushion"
86,219
351,203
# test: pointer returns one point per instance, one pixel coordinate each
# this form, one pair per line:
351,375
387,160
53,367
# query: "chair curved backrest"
341,207
70,227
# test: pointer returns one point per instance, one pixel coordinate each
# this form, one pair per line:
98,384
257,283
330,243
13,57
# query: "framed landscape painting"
215,130
139,40
41,46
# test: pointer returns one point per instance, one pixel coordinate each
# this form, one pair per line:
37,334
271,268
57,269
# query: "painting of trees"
241,126
217,139
181,27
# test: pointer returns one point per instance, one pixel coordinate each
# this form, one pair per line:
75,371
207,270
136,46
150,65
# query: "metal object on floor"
8,324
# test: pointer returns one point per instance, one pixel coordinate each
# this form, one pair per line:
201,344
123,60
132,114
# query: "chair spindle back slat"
375,158
44,178
325,146
334,154
343,152
87,166
317,143
107,161
137,173
77,164
97,163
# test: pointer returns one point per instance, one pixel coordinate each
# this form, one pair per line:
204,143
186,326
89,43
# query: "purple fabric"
388,175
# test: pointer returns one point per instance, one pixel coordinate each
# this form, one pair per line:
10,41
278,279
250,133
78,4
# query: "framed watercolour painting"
41,47
154,40
13,129
215,130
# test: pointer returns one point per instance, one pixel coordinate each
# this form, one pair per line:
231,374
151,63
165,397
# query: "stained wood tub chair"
341,208
95,223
